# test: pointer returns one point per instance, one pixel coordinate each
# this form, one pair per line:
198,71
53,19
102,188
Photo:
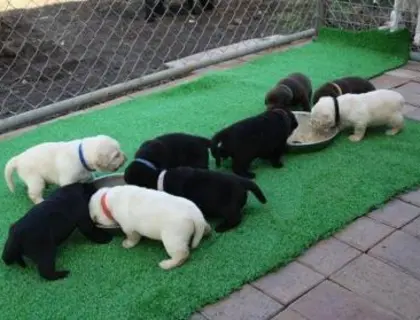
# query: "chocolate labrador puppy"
342,86
290,92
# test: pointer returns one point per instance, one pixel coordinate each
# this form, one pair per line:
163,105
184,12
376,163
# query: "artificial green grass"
313,196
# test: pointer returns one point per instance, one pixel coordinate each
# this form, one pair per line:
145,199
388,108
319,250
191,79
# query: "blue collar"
82,159
146,162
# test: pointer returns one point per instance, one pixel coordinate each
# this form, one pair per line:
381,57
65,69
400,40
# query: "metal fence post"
319,16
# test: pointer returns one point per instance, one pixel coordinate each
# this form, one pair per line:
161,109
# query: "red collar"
105,208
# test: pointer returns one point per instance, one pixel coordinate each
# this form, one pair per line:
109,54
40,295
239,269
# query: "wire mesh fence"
52,51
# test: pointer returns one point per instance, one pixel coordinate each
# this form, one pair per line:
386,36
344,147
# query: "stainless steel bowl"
111,180
303,128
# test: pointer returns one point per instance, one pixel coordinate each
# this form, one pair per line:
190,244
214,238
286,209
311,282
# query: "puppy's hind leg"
240,166
396,123
36,187
176,245
233,218
45,260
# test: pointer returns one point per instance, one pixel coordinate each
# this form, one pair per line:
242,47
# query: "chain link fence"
58,56
51,51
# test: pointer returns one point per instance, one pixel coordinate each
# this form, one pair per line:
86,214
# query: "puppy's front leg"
132,239
358,134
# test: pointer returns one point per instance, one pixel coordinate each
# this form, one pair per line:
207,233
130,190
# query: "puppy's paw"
127,243
392,132
355,138
170,264
276,164
56,275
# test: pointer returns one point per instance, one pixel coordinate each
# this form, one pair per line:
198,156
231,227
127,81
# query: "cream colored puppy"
359,111
63,163
153,214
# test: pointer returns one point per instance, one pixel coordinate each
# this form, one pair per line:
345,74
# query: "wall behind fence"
50,53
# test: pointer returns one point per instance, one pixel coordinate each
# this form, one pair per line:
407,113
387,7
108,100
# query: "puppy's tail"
11,251
214,146
201,227
8,171
254,188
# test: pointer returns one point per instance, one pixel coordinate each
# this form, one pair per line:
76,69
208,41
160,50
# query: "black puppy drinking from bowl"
217,194
172,150
294,90
48,224
262,136
342,86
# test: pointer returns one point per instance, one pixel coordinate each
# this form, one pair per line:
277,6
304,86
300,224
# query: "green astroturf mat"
313,196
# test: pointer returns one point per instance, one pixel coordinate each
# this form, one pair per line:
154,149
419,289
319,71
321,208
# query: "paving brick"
404,73
330,301
289,282
379,282
413,228
396,213
400,249
197,316
386,81
247,303
413,114
364,233
412,65
412,197
411,92
289,314
328,256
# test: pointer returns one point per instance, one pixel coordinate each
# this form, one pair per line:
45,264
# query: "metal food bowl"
304,128
111,180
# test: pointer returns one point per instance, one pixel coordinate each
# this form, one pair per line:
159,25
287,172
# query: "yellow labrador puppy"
153,214
63,163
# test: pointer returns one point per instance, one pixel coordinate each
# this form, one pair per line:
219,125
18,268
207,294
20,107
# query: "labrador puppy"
207,189
342,86
262,136
38,234
153,214
172,150
290,92
359,111
63,163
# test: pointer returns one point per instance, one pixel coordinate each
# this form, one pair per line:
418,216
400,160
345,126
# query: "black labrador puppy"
48,224
290,92
263,136
342,86
217,194
172,150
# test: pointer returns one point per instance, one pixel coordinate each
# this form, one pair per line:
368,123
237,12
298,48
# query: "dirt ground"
55,52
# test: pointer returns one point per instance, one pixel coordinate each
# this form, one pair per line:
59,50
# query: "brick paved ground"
368,271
